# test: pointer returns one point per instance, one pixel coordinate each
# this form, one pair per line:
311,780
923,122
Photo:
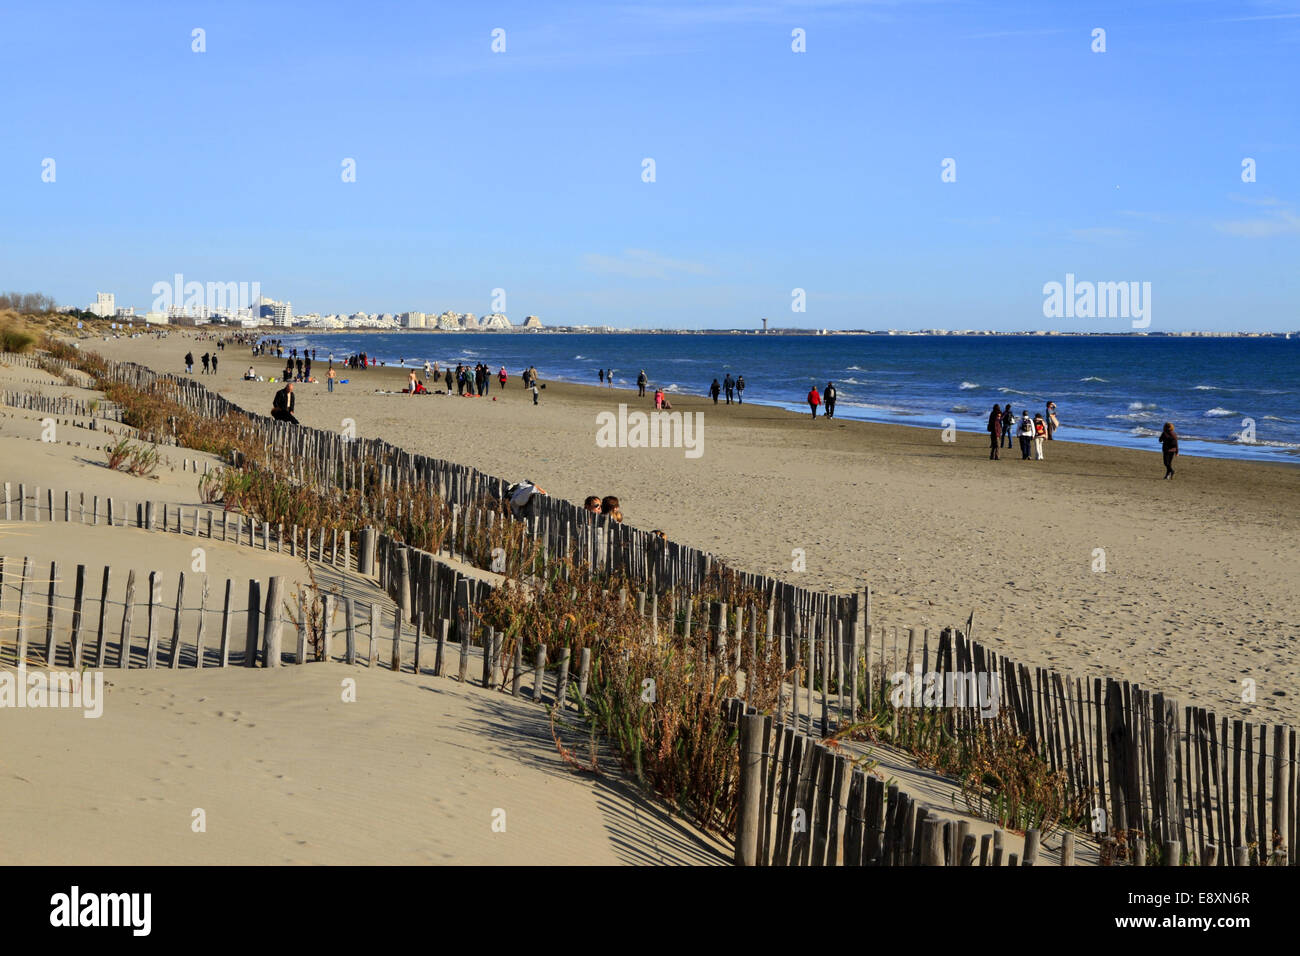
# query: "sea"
1227,397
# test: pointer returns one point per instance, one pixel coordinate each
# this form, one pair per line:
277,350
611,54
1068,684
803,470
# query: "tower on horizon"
765,326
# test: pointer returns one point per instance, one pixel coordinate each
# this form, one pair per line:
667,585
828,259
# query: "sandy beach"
280,768
1200,588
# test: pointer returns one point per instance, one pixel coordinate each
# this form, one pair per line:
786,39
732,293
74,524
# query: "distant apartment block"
105,306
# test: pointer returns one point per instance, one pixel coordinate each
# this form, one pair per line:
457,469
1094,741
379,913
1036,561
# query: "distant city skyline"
820,164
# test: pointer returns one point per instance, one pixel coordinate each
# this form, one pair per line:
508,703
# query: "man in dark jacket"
282,406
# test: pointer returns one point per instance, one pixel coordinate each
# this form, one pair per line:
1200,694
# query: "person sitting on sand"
659,399
1169,445
250,375
610,508
592,504
282,405
814,399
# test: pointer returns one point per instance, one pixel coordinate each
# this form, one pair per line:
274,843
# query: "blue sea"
1109,390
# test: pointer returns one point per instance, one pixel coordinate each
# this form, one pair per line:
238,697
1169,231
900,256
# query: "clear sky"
774,170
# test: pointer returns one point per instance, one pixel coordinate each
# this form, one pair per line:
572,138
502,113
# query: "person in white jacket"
1026,434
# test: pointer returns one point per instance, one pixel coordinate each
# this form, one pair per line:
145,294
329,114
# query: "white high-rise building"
282,314
413,320
105,305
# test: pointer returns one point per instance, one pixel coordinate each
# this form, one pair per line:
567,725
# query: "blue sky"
774,170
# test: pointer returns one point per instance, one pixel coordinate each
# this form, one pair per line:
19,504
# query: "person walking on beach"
214,363
740,389
502,377
641,382
829,396
1169,445
306,369
995,432
428,370
534,389
205,360
729,385
1008,424
448,379
609,378
189,363
1026,434
715,390
282,405
410,382
329,379
814,400
1040,435
600,374
1052,423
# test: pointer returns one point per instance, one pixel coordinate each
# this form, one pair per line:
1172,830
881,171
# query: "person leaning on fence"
282,406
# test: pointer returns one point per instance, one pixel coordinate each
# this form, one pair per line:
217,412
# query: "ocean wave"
965,386
851,381
959,409
1220,413
1092,378
1141,432
1132,417
855,368
1135,406
1012,391
1204,388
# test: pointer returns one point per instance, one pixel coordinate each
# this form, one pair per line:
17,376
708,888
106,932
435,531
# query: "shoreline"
1276,453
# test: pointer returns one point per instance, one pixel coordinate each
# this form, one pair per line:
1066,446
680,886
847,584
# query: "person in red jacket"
501,376
814,399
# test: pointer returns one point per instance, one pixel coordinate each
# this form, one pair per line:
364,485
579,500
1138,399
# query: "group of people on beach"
209,363
733,387
1031,432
